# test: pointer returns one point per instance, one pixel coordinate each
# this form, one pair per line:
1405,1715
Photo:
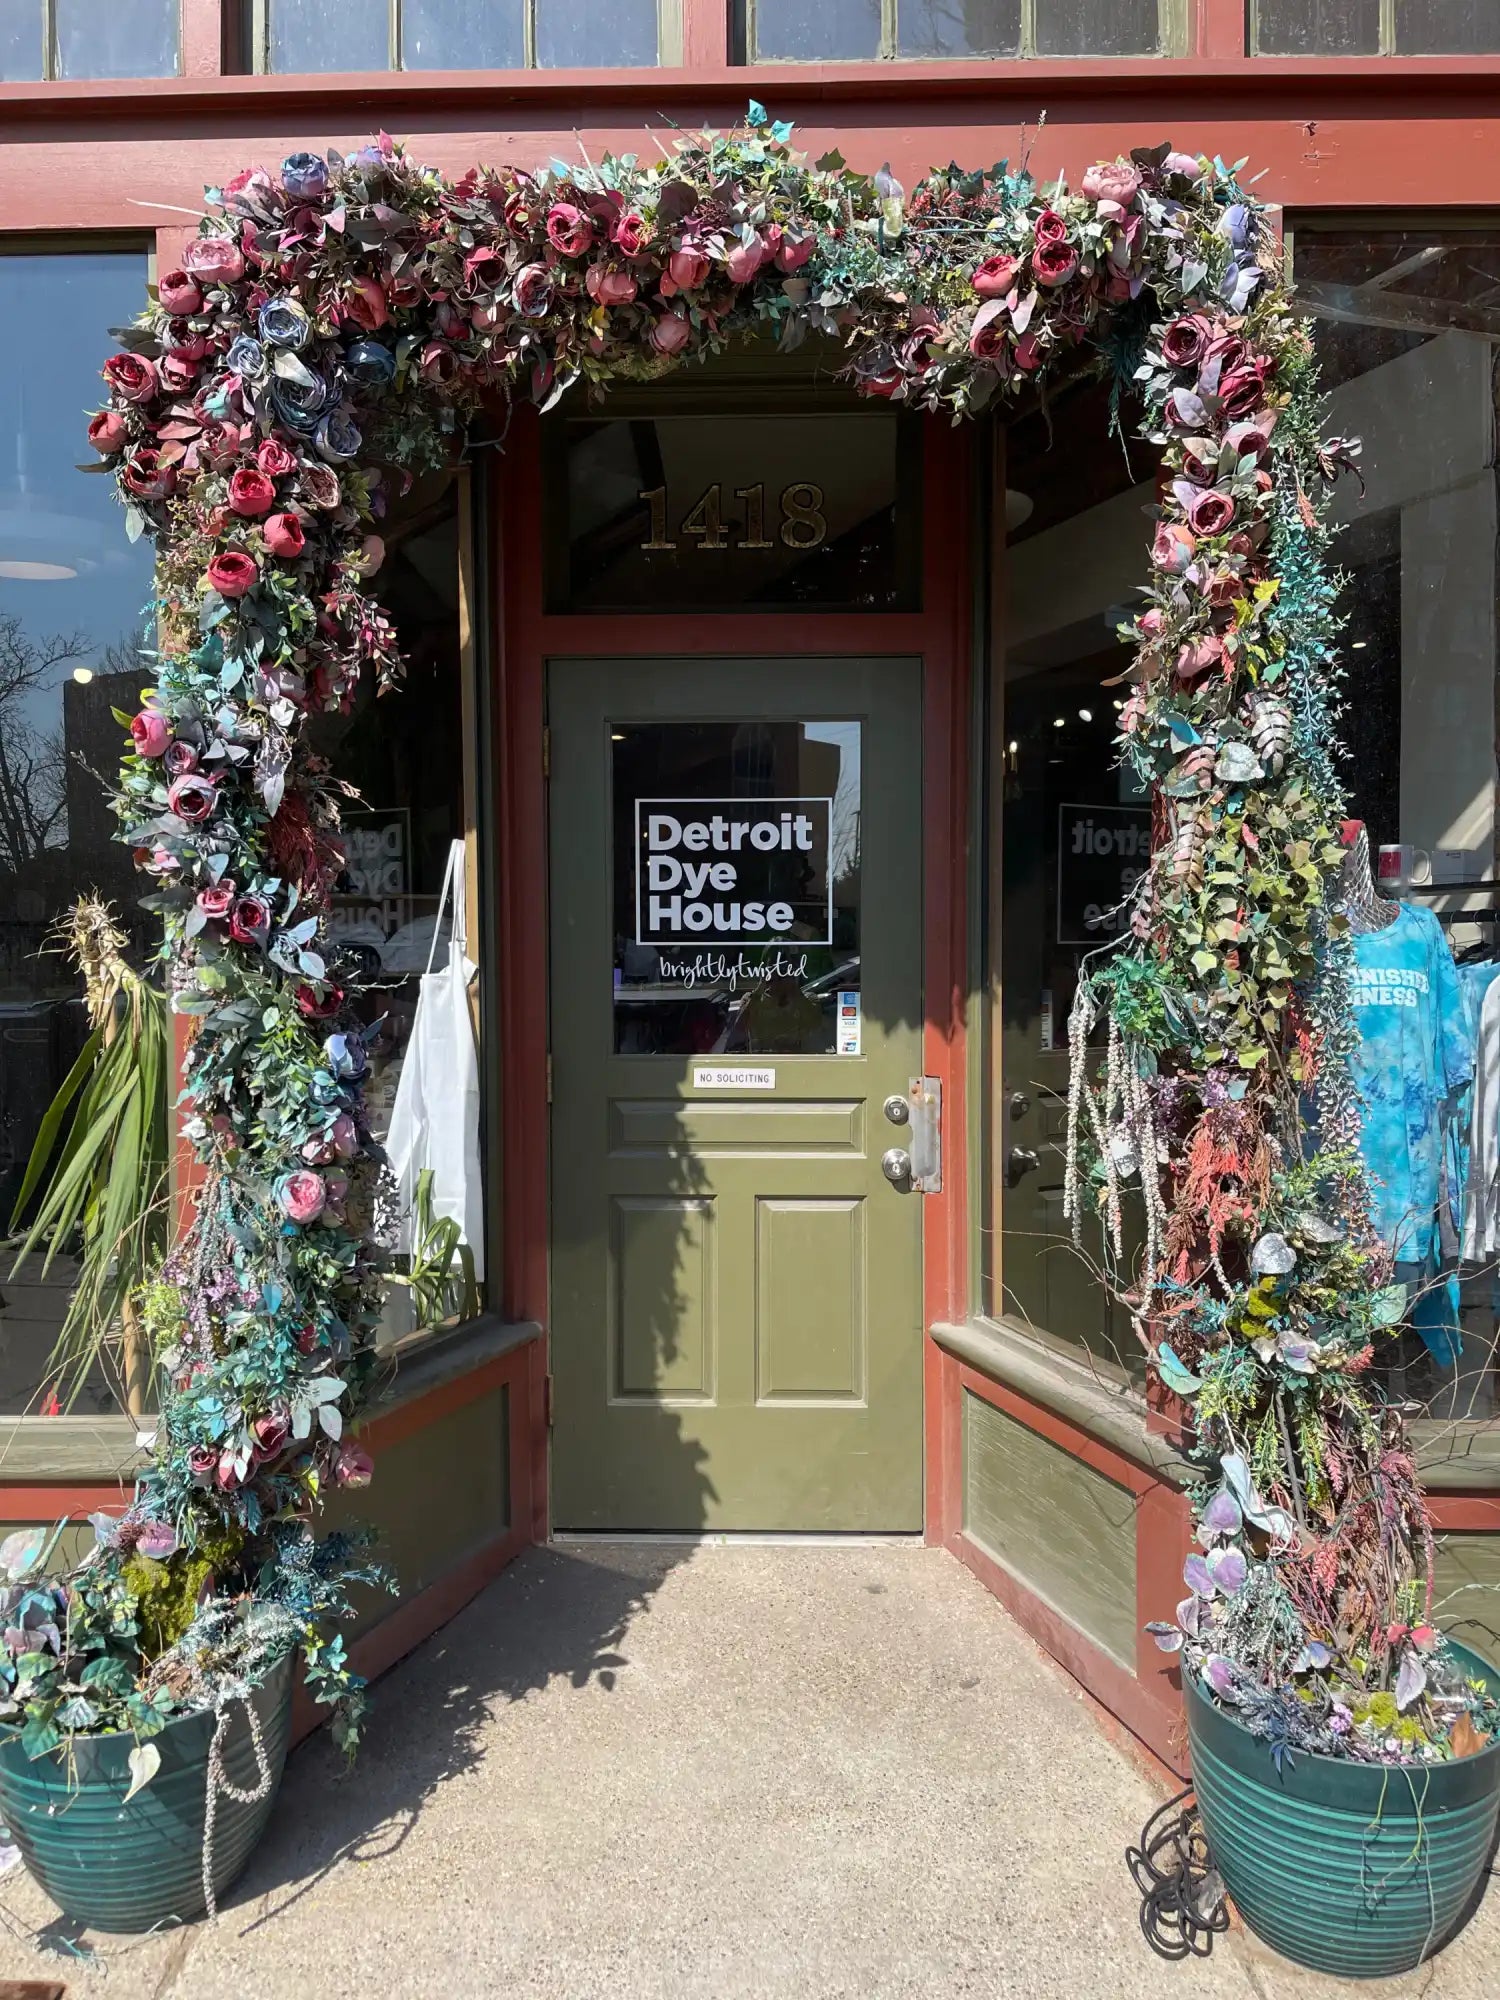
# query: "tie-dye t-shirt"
1415,1054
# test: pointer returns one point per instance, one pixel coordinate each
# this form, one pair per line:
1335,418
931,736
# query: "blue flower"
283,323
304,175
371,363
338,438
1238,224
302,403
247,357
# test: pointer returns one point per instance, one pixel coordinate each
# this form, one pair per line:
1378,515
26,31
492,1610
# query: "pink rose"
1198,657
250,492
233,573
274,460
177,373
203,1462
216,258
1150,624
1173,549
687,267
532,290
609,287
344,1134
1211,512
144,475
302,1195
631,232
1185,164
987,338
131,376
353,1466
1050,227
1113,181
745,259
216,901
149,733
569,230
219,445
1241,390
272,1430
792,252
1185,340
192,798
108,431
284,536
1053,263
995,277
365,304
249,919
179,294
1029,352
228,1473
671,333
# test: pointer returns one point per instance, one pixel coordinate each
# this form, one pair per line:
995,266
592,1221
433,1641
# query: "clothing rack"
1489,886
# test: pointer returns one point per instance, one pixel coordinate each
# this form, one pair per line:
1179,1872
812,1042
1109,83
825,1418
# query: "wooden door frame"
524,636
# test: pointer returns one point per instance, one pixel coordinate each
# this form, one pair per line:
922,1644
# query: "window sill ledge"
99,1450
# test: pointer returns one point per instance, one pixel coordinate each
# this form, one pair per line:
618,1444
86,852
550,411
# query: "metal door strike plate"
925,1097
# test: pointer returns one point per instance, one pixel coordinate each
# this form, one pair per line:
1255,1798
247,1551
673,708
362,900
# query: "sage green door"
736,931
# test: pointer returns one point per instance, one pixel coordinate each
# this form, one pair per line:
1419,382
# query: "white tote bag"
435,1119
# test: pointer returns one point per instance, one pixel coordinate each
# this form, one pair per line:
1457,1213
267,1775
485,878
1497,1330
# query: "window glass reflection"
124,38
619,35
309,37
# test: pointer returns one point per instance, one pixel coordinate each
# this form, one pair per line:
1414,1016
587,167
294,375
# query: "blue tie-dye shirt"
1415,1054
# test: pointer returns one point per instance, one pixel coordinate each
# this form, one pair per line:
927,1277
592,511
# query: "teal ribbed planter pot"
118,1867
1353,1869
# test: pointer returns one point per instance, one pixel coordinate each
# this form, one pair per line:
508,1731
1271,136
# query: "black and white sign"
1102,851
733,871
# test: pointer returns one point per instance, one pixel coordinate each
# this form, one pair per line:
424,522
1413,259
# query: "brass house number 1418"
800,507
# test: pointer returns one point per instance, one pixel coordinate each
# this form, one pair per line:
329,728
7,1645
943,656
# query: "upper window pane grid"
1374,27
957,30
77,40
319,36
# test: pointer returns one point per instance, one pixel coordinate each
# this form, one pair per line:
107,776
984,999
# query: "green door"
735,993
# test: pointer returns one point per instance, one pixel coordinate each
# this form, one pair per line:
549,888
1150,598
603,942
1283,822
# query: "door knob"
1020,1104
1021,1160
895,1164
897,1109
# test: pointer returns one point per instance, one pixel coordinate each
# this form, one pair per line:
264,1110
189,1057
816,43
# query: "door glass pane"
125,38
20,41
833,30
316,35
1317,27
463,34
1447,27
736,872
709,513
959,27
1097,27
617,35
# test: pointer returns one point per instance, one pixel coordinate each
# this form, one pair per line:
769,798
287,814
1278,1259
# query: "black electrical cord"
1182,1893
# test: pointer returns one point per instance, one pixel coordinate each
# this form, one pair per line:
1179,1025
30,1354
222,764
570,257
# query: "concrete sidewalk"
726,1772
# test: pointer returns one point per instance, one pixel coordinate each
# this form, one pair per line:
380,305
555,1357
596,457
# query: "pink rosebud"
1173,549
274,460
745,259
214,258
1198,657
1150,624
1050,227
687,268
1028,352
995,277
284,536
179,294
228,1473
671,333
353,1466
108,431
150,734
272,1430
792,252
132,377
610,287
233,573
1252,440
202,1462
180,759
631,232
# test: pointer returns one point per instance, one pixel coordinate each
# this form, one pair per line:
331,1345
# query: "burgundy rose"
251,492
190,346
569,230
995,276
144,475
1053,263
271,1431
1112,181
884,385
131,376
214,258
631,232
179,294
671,333
366,305
249,919
316,1005
274,460
192,797
532,290
484,267
1241,390
1200,461
987,337
1029,352
438,363
177,373
108,431
1250,440
216,901
233,573
1173,549
180,758
1211,512
302,1195
149,733
610,287
687,267
1185,340
1050,227
284,536
203,1462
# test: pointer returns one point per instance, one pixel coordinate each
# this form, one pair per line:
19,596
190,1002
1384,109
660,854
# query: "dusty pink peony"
303,1195
284,536
132,377
1112,181
671,333
214,258
1173,549
687,267
610,287
569,230
996,276
1211,511
149,733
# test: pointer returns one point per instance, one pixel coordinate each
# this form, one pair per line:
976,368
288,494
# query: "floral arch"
332,327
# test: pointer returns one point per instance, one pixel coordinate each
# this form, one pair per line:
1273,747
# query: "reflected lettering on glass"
802,523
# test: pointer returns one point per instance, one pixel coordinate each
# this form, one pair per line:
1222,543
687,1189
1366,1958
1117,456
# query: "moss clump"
166,1592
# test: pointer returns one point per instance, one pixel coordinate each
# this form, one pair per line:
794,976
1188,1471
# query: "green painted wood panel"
811,1328
1059,1527
663,1298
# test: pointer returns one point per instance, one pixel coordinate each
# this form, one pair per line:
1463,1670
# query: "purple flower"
1238,224
304,176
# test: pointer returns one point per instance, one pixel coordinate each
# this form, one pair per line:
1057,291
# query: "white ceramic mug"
1397,867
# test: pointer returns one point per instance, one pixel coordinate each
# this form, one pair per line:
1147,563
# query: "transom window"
320,35
1374,27
860,30
70,40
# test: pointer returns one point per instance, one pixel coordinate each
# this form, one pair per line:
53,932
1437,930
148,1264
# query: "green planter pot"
1354,1869
118,1867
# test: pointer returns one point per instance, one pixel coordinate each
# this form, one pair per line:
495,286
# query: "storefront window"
1368,28
736,870
861,30
73,593
317,35
74,39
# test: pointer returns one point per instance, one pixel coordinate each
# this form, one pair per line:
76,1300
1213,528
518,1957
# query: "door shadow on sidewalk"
553,1614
